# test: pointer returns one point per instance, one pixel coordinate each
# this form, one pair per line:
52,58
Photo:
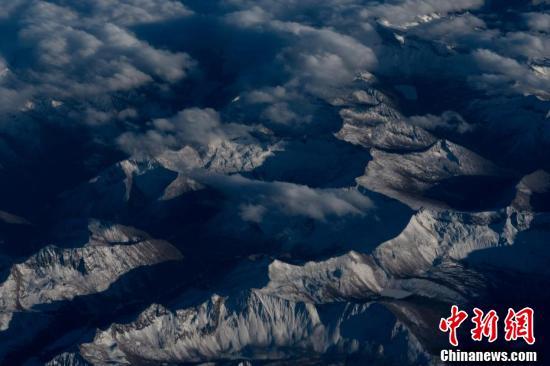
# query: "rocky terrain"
310,183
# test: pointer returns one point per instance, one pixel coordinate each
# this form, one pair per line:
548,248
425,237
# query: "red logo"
485,326
452,323
520,325
517,325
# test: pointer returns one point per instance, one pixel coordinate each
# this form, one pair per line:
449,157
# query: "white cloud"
83,50
194,126
463,28
280,104
503,73
538,21
280,113
521,45
9,7
411,12
268,95
255,16
448,120
289,199
319,58
84,56
132,12
252,213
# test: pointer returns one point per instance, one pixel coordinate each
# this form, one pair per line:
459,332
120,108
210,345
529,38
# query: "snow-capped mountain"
54,276
307,182
407,177
252,326
434,258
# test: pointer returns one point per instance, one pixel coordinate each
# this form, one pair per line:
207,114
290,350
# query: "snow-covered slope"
252,325
289,312
380,125
133,183
371,119
57,274
387,136
425,259
406,177
351,276
375,163
229,156
68,359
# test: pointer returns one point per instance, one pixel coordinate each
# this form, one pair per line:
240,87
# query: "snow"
56,274
407,176
251,325
219,157
387,136
288,313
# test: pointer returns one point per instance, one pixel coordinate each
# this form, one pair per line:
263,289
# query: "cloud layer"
83,51
147,76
